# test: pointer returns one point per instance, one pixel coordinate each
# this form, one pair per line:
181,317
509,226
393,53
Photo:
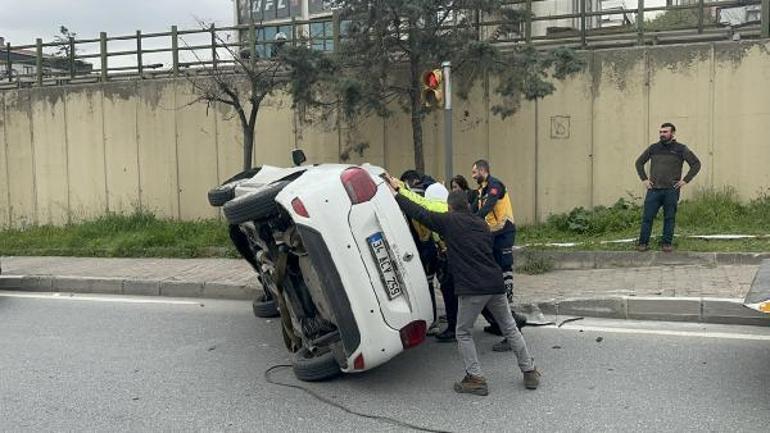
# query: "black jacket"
666,160
469,248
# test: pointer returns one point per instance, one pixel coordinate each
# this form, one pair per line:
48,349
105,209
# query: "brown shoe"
667,248
531,379
642,248
472,384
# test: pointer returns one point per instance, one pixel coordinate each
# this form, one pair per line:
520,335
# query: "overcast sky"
21,21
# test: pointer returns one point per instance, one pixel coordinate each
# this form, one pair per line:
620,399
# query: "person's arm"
431,205
433,220
495,192
643,158
694,164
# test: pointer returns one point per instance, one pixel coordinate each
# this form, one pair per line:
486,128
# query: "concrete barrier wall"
74,152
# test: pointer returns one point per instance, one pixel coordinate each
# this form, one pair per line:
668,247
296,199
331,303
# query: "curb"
127,286
726,311
580,260
683,309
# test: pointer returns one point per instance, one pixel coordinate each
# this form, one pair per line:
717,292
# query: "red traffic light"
432,79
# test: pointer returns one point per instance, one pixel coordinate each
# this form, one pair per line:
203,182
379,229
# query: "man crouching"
478,284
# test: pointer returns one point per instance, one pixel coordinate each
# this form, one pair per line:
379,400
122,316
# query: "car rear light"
358,363
299,207
358,184
413,333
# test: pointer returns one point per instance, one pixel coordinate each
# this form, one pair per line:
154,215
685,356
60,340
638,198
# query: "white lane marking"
723,335
120,299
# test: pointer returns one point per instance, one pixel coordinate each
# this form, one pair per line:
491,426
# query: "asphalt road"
100,363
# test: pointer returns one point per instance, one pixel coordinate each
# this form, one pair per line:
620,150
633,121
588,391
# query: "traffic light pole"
448,151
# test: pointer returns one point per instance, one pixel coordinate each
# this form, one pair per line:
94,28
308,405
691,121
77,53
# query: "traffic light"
432,92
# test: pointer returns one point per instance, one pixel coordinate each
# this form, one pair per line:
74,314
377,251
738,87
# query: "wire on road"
323,399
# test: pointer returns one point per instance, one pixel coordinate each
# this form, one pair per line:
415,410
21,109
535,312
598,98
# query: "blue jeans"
656,198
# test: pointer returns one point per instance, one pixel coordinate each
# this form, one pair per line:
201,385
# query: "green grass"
143,235
140,234
708,212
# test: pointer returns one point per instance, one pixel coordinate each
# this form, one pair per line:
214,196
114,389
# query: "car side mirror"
298,157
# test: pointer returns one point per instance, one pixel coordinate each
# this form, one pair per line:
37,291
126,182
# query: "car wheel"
254,206
313,368
225,192
265,307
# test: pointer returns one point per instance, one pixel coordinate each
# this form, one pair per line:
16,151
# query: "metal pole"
72,57
640,23
174,51
766,18
583,23
213,46
528,24
39,61
448,151
103,54
701,12
8,63
336,29
139,66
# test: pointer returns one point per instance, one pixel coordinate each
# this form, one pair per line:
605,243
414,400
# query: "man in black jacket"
478,283
664,183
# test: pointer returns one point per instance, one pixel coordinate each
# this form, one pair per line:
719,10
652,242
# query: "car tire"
310,368
265,308
222,194
254,206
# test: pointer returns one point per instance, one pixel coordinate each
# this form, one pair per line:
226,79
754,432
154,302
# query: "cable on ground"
383,419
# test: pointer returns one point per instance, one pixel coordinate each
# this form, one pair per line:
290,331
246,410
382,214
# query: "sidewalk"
677,292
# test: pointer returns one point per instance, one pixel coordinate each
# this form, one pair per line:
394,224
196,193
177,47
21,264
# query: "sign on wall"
269,10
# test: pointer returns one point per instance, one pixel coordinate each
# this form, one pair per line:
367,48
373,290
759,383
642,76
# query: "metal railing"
89,60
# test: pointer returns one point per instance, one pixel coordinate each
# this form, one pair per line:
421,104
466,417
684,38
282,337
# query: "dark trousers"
655,199
448,292
429,258
503,252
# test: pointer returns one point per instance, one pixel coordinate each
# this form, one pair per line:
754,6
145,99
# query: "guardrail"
216,46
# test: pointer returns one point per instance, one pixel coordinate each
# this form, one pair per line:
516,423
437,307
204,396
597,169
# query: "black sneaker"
447,336
502,346
520,319
493,329
472,385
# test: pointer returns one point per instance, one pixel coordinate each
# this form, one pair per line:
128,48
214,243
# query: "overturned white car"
335,256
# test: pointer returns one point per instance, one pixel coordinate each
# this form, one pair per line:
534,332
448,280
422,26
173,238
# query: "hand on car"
393,183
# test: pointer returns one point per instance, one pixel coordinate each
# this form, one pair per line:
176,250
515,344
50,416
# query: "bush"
620,216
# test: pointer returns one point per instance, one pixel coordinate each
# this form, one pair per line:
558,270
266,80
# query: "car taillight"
413,333
358,184
299,207
358,363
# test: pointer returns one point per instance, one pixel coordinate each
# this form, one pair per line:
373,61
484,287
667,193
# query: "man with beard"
493,203
664,183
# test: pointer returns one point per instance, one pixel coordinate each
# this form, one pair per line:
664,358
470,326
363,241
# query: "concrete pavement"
707,292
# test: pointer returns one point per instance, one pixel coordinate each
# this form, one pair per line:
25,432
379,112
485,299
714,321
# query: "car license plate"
385,265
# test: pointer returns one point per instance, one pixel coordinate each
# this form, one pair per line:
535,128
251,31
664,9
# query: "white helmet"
436,191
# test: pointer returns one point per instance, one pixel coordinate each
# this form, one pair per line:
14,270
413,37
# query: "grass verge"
708,212
141,234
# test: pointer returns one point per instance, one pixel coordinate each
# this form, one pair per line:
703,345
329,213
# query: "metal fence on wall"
585,25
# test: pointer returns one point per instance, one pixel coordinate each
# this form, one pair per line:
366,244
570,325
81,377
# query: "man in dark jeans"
664,183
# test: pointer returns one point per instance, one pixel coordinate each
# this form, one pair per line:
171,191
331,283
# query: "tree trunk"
417,113
248,147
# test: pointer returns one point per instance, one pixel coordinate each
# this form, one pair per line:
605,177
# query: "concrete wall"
74,152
